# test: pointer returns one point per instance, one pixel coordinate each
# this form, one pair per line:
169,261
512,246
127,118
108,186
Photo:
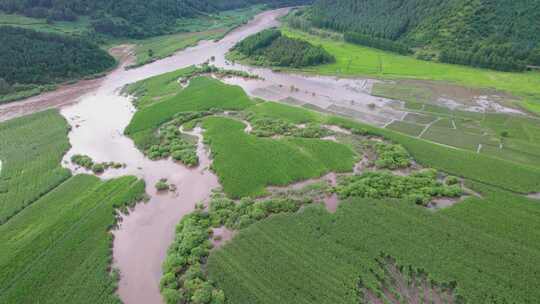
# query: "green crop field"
247,164
31,150
356,60
489,247
55,228
202,94
58,249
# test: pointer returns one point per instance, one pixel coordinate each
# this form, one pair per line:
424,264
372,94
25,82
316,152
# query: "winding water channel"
98,114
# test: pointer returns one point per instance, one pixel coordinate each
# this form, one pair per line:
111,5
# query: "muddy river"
98,114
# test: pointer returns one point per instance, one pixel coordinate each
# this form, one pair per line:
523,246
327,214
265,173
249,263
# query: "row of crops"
55,235
31,149
315,256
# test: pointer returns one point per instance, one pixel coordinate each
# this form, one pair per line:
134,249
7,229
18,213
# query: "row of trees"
40,58
379,43
480,60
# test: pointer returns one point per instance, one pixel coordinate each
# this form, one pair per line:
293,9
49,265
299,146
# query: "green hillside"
483,33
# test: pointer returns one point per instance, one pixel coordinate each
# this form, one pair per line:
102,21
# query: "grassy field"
354,60
56,245
488,246
246,164
32,148
202,94
58,250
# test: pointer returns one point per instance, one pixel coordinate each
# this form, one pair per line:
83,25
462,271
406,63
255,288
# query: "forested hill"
130,18
30,57
506,29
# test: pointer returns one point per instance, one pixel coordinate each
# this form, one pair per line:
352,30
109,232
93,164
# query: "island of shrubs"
271,48
172,143
86,162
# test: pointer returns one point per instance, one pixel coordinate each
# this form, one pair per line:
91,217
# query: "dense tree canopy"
269,47
40,58
500,34
133,18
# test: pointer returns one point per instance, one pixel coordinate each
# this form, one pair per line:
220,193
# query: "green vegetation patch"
31,57
317,257
247,164
31,151
419,187
391,156
58,250
202,94
270,48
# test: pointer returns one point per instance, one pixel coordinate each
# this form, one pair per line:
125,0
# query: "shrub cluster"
268,127
419,187
173,144
86,162
391,156
162,185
